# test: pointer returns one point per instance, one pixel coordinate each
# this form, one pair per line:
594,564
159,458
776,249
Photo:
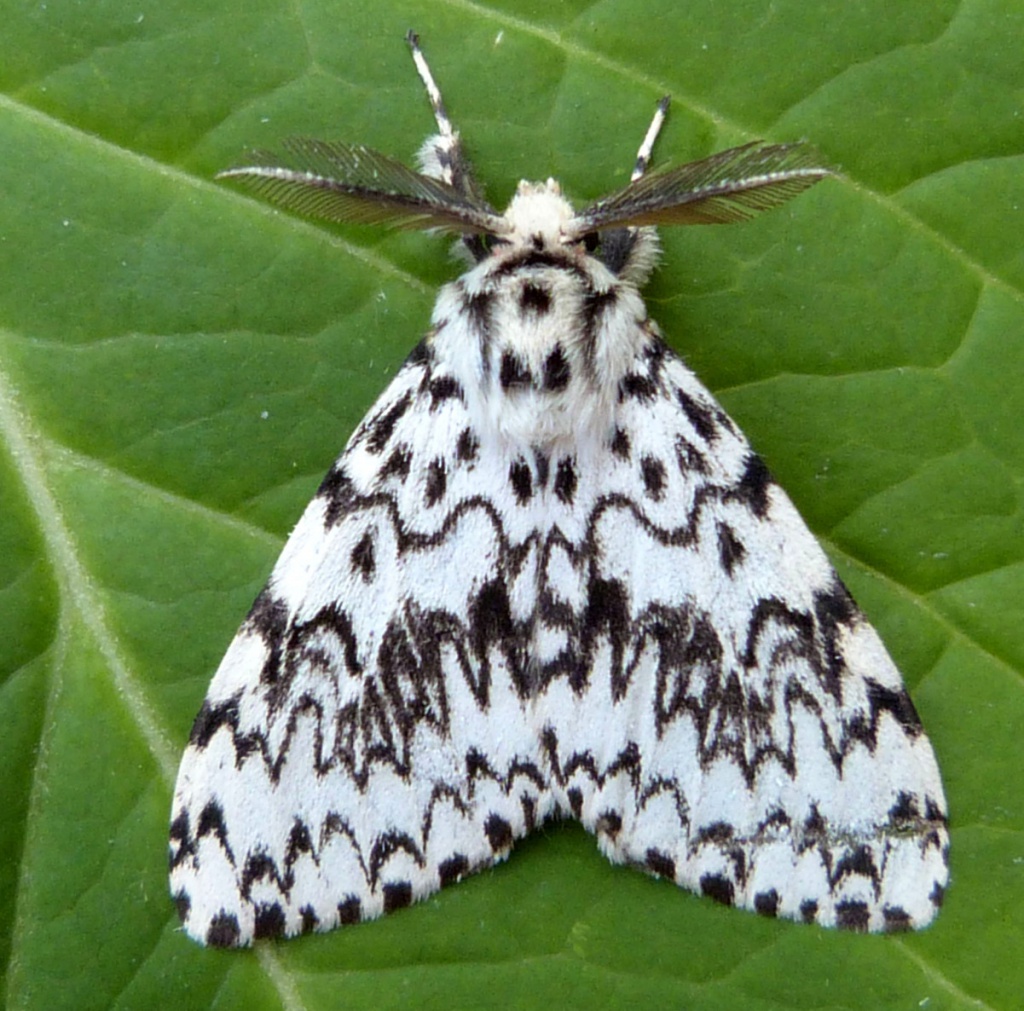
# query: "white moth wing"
362,742
741,728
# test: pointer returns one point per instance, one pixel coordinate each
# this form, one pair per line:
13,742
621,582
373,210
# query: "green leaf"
180,364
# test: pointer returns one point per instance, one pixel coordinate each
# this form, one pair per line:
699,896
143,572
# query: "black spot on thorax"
557,371
521,480
534,299
514,372
595,305
542,463
565,480
478,309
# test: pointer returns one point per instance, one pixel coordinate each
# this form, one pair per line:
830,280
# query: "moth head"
539,216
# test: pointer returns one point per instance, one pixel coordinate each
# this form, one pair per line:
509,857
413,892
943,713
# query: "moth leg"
643,156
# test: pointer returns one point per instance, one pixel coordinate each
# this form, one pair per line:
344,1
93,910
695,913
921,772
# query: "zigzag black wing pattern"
744,731
345,761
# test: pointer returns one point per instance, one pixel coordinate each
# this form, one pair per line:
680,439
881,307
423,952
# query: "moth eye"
483,246
592,242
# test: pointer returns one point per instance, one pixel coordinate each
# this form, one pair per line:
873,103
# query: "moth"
547,577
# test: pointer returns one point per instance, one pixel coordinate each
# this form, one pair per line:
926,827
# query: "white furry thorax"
541,332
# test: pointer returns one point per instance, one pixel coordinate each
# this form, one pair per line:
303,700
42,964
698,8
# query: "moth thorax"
553,334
